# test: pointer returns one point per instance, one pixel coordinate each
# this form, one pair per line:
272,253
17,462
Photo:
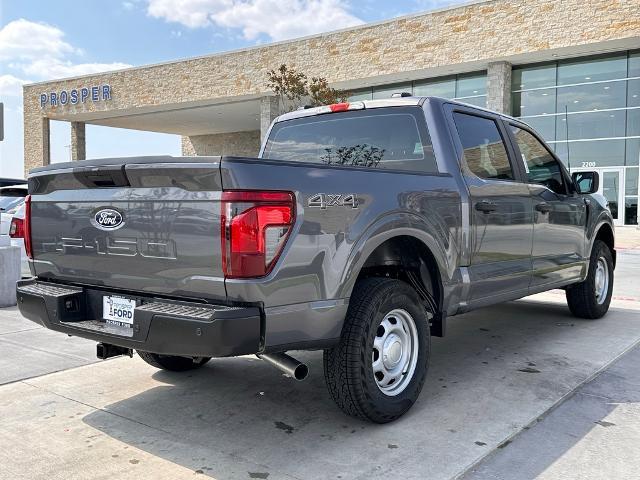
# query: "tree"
321,93
288,84
292,89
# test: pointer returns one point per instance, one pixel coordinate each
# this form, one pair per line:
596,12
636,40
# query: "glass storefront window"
631,181
633,152
634,64
535,102
477,101
471,85
633,93
597,96
631,211
534,77
385,91
545,126
441,88
633,122
360,95
591,125
599,153
592,70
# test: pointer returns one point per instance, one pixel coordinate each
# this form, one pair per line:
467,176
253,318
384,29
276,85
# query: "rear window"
383,138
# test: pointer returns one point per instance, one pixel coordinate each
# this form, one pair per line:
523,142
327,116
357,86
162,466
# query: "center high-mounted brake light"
255,228
21,227
338,107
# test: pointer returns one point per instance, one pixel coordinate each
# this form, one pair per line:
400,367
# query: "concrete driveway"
498,372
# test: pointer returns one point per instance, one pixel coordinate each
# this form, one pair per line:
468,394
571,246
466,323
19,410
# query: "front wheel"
173,363
591,298
378,369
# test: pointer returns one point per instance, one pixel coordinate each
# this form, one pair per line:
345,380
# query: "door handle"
486,206
543,207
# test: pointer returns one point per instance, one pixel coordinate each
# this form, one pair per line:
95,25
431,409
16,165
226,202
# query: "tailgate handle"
102,177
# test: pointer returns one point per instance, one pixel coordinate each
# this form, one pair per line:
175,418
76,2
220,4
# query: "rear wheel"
378,369
173,363
591,298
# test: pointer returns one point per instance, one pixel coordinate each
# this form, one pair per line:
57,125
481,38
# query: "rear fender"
394,225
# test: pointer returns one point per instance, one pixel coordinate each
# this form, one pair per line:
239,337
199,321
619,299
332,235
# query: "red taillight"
16,230
339,107
27,227
255,228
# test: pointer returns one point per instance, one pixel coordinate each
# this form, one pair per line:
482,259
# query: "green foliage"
293,88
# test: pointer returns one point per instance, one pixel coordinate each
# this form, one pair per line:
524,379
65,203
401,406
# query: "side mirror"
586,182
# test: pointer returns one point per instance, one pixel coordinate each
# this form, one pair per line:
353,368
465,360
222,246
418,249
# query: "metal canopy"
7,182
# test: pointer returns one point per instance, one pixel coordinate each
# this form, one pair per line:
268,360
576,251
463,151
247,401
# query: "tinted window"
541,166
484,150
392,138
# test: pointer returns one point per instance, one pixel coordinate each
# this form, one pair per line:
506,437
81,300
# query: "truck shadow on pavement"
496,371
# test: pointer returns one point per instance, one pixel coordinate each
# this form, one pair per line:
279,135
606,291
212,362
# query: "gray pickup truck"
359,230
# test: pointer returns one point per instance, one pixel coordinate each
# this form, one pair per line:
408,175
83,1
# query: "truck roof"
385,102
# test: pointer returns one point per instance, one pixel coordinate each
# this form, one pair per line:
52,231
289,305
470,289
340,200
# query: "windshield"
382,138
10,204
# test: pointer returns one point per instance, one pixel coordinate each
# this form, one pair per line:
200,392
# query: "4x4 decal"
324,200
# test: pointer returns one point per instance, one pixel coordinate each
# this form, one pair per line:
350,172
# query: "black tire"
581,297
348,367
171,362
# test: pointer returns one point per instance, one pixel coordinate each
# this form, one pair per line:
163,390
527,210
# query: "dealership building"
571,69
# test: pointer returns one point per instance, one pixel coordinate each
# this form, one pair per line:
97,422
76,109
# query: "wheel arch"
605,233
409,253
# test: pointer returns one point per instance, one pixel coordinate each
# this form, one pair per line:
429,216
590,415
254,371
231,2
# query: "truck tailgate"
143,224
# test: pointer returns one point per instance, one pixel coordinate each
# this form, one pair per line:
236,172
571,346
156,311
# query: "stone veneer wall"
484,31
242,144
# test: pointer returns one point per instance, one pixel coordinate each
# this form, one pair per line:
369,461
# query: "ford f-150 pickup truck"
359,230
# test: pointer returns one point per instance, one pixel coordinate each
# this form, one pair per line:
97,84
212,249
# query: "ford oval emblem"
108,219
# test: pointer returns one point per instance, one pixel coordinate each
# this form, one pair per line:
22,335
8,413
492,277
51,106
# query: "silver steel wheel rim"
395,352
601,283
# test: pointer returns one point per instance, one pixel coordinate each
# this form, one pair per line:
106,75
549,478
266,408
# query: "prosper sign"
95,93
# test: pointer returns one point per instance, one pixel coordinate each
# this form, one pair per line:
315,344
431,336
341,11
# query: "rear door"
501,216
559,213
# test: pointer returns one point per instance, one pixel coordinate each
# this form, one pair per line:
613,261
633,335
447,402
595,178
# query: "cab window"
542,167
485,153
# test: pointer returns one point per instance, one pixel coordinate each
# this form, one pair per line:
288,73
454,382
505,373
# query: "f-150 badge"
324,200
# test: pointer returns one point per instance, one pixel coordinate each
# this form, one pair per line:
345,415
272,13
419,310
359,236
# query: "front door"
612,188
559,214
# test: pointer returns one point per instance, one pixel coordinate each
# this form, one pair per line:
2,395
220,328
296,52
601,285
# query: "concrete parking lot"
519,390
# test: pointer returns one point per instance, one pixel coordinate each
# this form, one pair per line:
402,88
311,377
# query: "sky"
44,39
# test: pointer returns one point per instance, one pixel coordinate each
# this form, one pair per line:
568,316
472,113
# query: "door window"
485,153
541,166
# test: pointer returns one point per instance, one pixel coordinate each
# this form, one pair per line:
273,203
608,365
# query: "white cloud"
11,86
22,39
49,68
128,5
40,51
278,19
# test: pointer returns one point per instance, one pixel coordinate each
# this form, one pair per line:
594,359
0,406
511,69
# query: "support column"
269,110
78,142
499,87
36,141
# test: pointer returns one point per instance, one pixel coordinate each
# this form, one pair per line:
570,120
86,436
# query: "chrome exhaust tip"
285,363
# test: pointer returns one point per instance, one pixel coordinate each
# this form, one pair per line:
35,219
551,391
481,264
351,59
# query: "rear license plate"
118,310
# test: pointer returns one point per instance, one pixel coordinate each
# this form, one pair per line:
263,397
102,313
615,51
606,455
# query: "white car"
12,205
